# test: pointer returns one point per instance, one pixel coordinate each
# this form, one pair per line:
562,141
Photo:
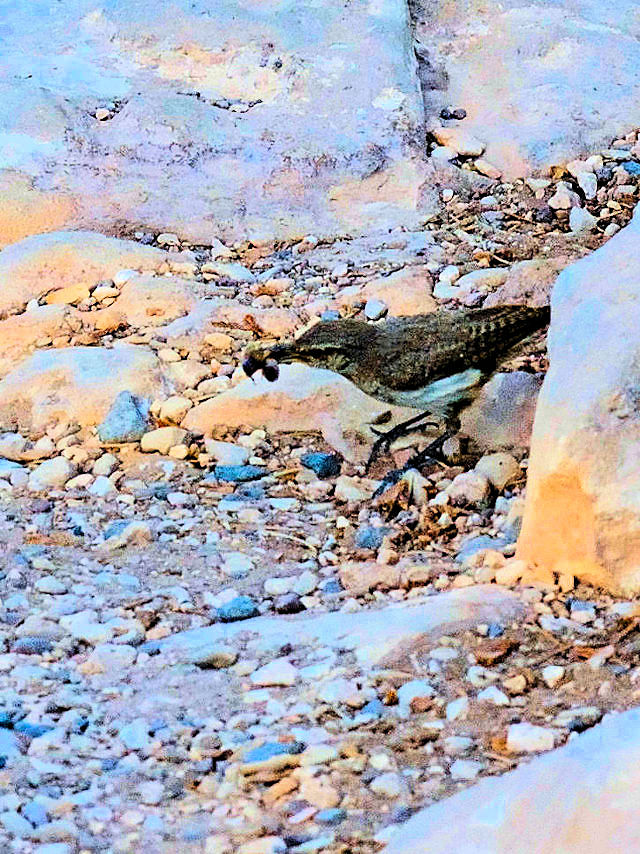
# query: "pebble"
375,309
324,465
493,695
465,769
240,608
564,197
215,658
552,675
457,709
226,453
50,584
51,473
388,785
471,489
237,474
237,565
528,738
162,439
135,735
370,537
280,671
580,220
500,469
126,421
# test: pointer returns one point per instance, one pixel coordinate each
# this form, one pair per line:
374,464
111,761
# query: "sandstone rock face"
545,51
148,301
206,121
77,384
44,263
302,399
583,503
514,814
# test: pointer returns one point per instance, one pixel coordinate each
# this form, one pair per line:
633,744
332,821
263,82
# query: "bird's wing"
432,346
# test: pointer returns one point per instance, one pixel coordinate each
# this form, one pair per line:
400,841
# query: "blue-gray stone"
240,608
237,474
35,813
632,167
32,645
330,314
369,537
126,421
32,730
332,586
331,816
374,707
324,465
116,528
479,544
7,466
273,748
495,630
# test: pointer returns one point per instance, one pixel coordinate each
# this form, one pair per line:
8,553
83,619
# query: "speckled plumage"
431,361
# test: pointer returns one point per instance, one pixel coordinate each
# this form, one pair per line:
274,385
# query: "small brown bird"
433,362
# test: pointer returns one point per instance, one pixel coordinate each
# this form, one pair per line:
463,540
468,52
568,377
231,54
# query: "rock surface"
232,122
69,385
583,507
544,52
514,813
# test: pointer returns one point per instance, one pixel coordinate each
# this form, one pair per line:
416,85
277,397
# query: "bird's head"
336,345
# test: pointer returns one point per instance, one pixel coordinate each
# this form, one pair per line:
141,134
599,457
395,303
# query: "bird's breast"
440,395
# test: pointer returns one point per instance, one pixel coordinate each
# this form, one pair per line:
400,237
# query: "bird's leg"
385,439
433,451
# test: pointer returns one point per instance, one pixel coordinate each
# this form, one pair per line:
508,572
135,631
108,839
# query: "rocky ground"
216,639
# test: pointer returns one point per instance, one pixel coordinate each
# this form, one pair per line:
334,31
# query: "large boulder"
546,52
579,798
302,399
583,502
50,262
235,119
76,384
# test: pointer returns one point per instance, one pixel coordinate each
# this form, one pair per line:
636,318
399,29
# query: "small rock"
237,565
581,221
552,675
500,469
174,409
135,735
493,695
465,769
375,309
370,537
214,658
471,489
51,474
162,439
237,474
324,465
288,603
239,608
527,738
564,197
226,453
126,421
277,672
579,718
457,709
50,584
388,785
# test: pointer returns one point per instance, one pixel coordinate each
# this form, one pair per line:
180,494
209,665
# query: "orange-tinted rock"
76,384
48,262
582,514
406,292
147,301
302,399
529,282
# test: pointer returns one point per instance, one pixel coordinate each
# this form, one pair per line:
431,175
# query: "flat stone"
388,785
240,608
237,474
465,769
51,473
162,439
324,465
527,738
375,636
280,671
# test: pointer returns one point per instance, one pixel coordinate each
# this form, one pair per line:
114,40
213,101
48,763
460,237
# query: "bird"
436,363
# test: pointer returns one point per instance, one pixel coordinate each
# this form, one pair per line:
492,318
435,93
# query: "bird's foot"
386,438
